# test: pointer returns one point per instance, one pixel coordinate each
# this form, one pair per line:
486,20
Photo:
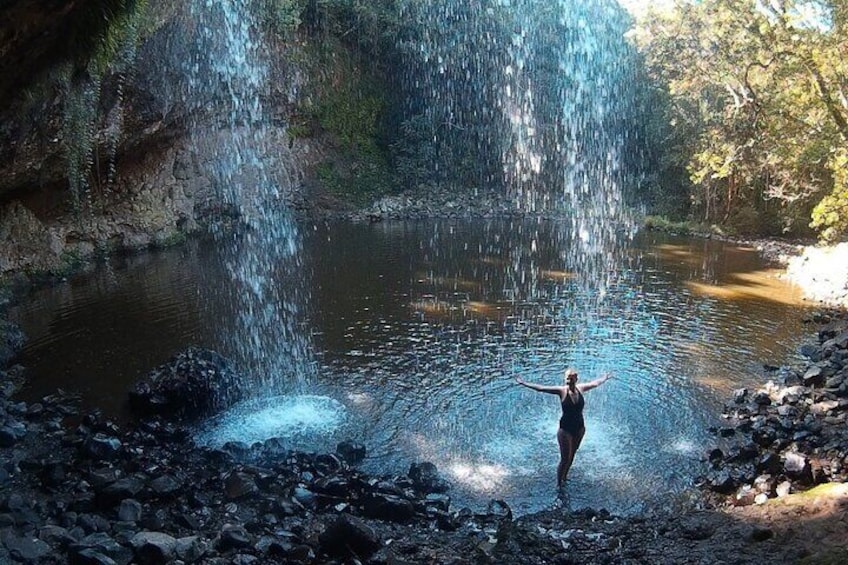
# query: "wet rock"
769,463
388,507
426,478
129,510
351,451
165,486
814,376
239,485
762,398
193,384
126,487
56,536
304,496
740,395
24,548
101,447
349,536
812,352
190,549
12,340
438,501
152,548
499,509
103,544
233,536
88,556
333,487
721,482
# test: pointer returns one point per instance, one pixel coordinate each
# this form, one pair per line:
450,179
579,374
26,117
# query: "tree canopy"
758,102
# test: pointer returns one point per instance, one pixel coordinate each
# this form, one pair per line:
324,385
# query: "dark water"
418,330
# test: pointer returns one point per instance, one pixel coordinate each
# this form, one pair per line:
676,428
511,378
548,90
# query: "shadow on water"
418,334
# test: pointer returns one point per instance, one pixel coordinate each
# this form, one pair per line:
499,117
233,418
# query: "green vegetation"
756,111
172,240
662,223
114,51
346,100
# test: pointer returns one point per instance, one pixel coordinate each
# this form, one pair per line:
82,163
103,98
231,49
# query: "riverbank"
77,488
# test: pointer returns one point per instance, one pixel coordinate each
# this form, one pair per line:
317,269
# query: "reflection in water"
418,337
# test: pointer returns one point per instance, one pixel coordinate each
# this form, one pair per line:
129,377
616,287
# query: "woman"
571,427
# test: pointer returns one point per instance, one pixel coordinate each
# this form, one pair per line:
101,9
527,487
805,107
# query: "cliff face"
152,159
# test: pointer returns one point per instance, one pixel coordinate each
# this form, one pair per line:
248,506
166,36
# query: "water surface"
419,329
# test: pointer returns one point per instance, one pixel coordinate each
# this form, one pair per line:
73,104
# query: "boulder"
426,478
349,536
192,385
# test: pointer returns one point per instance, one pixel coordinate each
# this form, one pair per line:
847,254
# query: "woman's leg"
578,439
566,455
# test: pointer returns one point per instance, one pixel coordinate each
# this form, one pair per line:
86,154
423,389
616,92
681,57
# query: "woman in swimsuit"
571,428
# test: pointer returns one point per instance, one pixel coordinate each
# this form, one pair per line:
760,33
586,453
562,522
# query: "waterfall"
539,94
227,80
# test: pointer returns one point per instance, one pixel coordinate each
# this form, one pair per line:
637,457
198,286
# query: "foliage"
115,51
283,17
831,214
346,100
758,99
662,223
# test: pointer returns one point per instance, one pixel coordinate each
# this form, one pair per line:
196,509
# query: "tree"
759,91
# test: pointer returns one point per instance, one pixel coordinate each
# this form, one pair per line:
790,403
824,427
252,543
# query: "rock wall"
152,183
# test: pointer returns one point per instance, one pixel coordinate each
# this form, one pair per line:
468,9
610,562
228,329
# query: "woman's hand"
519,380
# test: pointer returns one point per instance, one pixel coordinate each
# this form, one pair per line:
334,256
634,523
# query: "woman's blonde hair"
570,371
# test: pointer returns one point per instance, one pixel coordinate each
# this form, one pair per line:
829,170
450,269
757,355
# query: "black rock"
351,451
388,507
233,537
349,536
193,384
426,478
153,548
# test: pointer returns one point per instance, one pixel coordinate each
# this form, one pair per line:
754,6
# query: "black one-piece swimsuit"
571,420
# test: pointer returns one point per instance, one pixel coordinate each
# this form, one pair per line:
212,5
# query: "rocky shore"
77,488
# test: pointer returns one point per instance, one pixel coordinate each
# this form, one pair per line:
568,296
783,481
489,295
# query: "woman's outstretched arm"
594,384
539,388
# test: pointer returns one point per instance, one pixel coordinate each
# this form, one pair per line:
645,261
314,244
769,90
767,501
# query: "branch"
829,102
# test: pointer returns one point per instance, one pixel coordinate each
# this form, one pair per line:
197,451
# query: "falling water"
541,91
227,81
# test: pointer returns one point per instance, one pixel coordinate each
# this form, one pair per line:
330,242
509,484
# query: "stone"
129,510
239,485
193,384
814,376
740,395
438,501
426,478
499,509
104,544
152,548
25,548
304,496
797,467
89,556
349,536
190,549
388,507
165,486
233,536
102,447
351,451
